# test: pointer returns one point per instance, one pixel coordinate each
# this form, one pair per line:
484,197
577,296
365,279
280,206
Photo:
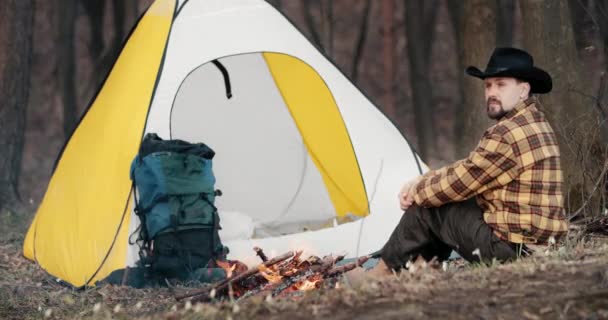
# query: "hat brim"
540,81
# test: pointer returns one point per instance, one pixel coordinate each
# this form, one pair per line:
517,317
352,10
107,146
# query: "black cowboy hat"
516,63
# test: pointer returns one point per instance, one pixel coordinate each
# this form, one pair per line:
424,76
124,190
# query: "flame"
307,285
269,274
229,268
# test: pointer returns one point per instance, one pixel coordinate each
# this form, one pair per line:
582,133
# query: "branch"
597,100
597,184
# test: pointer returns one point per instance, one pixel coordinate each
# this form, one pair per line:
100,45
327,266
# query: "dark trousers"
435,232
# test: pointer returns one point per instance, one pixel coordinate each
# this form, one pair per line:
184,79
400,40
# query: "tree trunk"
16,20
277,4
66,63
582,23
119,23
420,24
455,11
360,44
573,116
601,9
95,10
311,25
478,42
327,21
505,22
388,54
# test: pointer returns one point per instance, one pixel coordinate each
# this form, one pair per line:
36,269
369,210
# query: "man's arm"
491,165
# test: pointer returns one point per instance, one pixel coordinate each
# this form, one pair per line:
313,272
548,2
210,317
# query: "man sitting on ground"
505,194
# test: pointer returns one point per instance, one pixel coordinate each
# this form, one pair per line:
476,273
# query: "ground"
568,282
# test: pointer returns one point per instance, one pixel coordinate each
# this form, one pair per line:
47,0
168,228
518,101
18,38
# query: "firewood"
347,267
260,253
305,273
306,269
222,285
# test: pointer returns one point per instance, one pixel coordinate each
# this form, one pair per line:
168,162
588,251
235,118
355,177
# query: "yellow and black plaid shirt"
516,175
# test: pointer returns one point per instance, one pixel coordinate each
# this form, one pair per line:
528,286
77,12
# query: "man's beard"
495,112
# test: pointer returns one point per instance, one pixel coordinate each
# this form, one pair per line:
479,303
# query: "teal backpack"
175,202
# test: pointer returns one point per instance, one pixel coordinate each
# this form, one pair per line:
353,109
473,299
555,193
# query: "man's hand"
406,195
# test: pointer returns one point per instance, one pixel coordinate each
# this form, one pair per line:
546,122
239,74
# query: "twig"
347,267
597,184
260,253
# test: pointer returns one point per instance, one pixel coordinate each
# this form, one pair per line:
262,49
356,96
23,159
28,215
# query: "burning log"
312,268
284,274
222,285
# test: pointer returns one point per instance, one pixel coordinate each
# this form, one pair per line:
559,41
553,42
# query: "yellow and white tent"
301,154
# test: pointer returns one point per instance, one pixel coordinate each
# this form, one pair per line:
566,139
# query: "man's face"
503,94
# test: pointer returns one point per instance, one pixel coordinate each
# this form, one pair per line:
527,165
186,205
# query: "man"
505,194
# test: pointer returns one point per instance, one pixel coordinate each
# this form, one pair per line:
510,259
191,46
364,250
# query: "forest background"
408,56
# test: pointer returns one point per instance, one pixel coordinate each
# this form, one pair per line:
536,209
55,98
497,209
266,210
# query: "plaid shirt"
515,174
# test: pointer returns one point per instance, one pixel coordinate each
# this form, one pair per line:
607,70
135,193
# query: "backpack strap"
142,241
216,222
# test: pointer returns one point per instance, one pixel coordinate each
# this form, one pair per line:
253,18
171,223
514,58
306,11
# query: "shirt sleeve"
491,165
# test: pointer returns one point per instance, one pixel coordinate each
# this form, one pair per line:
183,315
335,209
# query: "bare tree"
568,107
66,62
360,44
478,27
16,20
119,10
95,11
583,22
601,10
388,48
327,25
455,11
311,24
420,19
505,16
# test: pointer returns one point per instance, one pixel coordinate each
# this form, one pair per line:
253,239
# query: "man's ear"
525,93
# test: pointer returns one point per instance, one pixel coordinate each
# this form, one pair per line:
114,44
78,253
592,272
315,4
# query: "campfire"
283,275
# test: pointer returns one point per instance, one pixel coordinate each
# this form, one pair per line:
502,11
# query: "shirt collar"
519,107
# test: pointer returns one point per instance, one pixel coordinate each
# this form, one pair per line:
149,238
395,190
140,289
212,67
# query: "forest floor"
568,282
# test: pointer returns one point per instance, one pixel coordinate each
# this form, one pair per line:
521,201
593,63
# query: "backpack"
175,202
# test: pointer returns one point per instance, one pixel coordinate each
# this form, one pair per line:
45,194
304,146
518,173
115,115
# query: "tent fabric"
299,149
80,214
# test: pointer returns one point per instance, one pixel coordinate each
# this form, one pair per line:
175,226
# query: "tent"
304,159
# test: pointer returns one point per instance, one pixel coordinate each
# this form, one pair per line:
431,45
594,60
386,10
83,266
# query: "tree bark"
277,4
455,11
582,20
478,41
119,10
505,22
95,10
16,23
66,63
420,19
388,53
310,23
601,9
572,115
360,44
327,21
